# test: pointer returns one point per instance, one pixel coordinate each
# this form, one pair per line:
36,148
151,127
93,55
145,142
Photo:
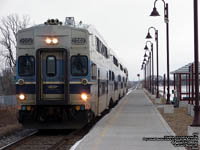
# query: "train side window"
106,52
110,75
102,49
94,71
113,76
26,65
103,88
119,78
51,65
79,65
115,61
98,44
121,67
116,85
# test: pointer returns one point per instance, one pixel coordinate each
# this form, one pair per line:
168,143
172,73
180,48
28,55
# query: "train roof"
84,27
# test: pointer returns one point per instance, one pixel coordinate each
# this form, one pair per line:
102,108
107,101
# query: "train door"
52,77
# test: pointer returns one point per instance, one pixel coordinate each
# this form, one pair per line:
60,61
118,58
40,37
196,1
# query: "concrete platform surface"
124,128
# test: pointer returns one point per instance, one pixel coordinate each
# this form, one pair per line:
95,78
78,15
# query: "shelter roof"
182,70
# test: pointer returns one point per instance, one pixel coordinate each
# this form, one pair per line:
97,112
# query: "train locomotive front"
52,79
65,75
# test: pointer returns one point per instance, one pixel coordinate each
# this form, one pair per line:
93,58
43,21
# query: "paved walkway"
124,128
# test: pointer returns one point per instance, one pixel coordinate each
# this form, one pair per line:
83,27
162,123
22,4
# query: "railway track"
49,140
8,146
40,141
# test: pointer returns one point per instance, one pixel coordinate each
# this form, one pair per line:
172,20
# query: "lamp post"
141,69
144,66
148,70
156,39
145,75
152,61
166,19
196,121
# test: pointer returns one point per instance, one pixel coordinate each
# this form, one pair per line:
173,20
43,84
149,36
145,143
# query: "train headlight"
84,97
22,97
54,40
51,40
48,40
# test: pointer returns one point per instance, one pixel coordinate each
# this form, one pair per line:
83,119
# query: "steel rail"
18,141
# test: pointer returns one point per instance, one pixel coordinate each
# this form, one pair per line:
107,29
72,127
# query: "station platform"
124,128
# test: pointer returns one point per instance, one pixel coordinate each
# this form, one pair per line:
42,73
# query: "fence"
8,100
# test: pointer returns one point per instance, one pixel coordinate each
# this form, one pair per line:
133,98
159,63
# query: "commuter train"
65,75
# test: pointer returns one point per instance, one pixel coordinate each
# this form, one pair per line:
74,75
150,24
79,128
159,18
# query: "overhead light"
146,48
154,12
148,36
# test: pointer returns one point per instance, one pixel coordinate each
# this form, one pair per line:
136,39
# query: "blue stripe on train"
73,88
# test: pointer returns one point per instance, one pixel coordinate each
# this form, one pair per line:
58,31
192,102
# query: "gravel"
5,140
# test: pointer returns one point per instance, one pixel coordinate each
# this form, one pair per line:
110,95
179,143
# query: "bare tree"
7,83
9,26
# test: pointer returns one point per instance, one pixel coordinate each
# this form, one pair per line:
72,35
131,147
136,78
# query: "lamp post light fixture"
152,61
156,39
166,19
145,55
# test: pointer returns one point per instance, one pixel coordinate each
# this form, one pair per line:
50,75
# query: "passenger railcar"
65,75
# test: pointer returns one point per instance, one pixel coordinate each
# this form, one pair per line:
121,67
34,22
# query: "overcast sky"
123,24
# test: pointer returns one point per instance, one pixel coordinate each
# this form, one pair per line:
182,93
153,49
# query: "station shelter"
184,84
